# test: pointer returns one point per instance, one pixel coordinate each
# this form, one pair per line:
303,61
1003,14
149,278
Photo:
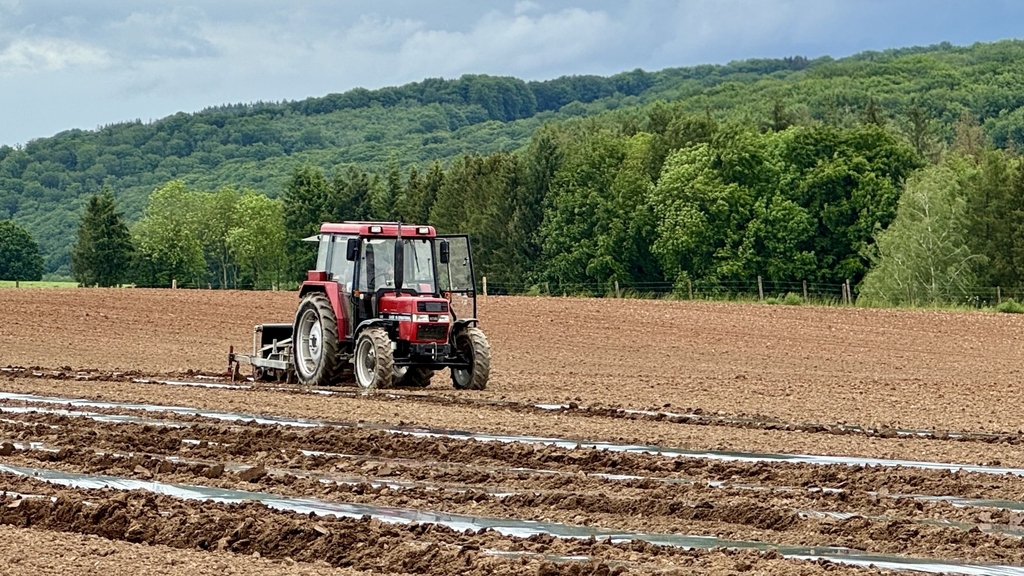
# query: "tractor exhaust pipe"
399,262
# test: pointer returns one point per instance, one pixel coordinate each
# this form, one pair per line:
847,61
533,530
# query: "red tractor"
387,305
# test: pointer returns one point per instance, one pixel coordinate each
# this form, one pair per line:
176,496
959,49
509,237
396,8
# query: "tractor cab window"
377,265
419,266
321,254
341,270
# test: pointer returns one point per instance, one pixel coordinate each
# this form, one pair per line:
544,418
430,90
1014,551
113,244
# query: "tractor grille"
431,306
431,332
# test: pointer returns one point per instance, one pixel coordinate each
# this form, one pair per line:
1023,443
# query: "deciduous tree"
19,254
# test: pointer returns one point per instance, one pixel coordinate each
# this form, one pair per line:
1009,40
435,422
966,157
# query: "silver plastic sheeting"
730,456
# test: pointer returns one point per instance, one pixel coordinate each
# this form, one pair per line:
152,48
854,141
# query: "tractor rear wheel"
315,341
415,378
374,363
472,345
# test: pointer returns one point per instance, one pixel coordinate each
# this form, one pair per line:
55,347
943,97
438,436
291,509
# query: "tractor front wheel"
374,360
315,341
472,345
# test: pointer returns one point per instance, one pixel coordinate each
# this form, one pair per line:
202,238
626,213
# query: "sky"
87,63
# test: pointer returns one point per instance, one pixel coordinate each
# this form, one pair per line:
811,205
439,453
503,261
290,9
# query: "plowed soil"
913,385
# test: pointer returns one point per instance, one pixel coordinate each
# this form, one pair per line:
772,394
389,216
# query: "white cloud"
524,6
713,27
500,43
175,33
34,55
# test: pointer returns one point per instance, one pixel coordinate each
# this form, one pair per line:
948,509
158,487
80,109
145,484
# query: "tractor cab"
361,258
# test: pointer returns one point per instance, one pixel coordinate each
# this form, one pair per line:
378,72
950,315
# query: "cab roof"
377,229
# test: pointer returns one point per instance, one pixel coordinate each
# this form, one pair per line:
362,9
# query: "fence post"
485,286
805,289
849,292
760,289
999,295
842,289
547,288
174,284
689,288
616,288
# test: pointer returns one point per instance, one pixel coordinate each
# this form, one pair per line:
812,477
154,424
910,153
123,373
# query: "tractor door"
455,278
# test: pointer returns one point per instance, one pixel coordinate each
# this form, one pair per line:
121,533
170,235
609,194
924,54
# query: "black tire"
415,378
315,341
373,362
471,343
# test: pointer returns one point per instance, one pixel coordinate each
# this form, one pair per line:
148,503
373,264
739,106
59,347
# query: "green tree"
995,217
700,217
19,254
474,199
541,162
103,252
384,199
431,187
257,239
217,216
597,230
167,237
350,195
307,199
411,201
923,257
849,182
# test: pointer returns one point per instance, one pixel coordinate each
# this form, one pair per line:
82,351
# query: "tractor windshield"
377,265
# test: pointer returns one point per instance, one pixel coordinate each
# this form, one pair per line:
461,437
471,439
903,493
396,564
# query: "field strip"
505,527
730,456
695,416
500,492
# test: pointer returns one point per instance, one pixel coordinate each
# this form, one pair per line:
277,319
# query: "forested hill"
918,93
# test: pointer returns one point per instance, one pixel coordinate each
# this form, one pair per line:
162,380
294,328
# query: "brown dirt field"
923,369
46,553
500,420
742,377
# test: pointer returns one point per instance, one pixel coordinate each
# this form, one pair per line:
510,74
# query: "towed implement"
387,305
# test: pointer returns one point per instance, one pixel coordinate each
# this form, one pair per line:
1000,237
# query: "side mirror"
352,249
444,252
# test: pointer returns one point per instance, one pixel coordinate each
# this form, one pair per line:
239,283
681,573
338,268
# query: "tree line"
190,238
668,197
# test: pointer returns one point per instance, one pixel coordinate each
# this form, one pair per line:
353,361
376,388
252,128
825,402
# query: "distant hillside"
919,92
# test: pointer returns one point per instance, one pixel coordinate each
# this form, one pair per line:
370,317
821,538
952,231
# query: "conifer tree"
103,251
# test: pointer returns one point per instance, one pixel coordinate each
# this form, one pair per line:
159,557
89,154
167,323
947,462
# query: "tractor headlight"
430,318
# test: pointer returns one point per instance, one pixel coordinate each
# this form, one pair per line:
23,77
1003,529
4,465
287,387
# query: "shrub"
1010,306
792,299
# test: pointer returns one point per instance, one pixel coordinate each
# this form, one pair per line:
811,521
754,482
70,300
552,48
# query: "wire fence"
680,290
758,290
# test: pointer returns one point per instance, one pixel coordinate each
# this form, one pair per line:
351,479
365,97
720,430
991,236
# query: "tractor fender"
332,290
462,323
369,324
